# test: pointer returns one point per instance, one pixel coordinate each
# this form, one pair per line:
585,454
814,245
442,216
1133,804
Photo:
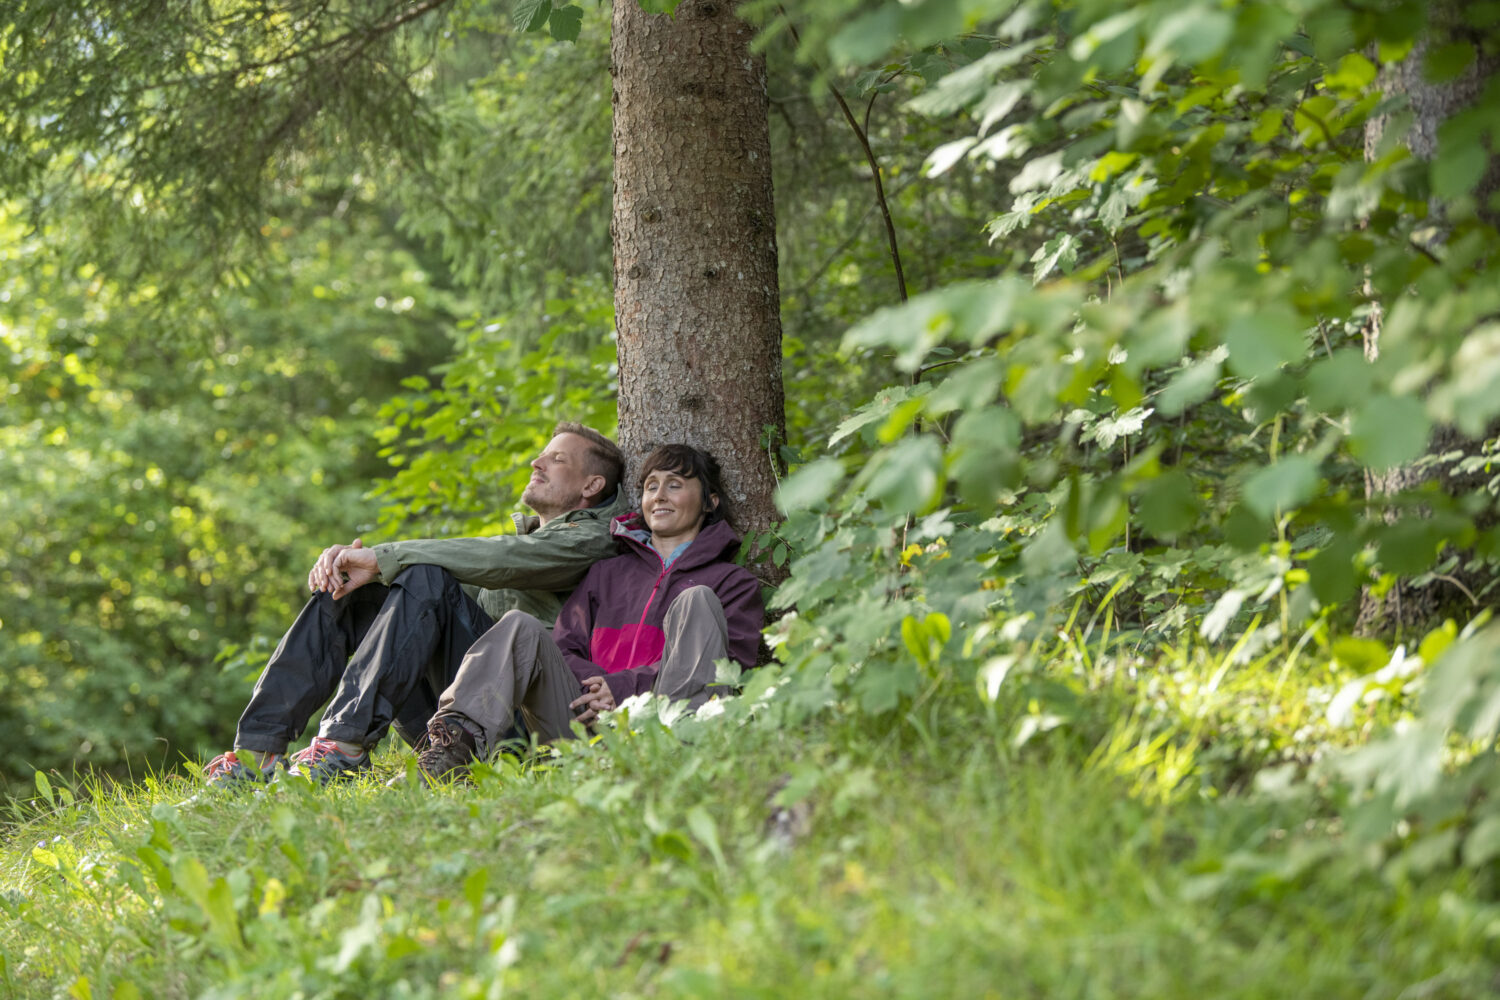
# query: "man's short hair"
604,456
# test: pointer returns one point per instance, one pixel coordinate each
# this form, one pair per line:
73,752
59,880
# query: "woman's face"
672,504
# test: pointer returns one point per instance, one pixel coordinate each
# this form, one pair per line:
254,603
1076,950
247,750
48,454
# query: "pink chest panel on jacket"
617,649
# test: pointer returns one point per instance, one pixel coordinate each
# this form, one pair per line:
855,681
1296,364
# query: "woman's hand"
596,698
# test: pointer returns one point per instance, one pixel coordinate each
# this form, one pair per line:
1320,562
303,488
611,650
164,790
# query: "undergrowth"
1147,842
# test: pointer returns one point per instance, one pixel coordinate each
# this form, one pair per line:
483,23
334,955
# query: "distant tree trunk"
1405,606
697,305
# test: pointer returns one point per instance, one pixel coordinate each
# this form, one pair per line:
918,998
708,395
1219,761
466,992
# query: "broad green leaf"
1445,63
702,826
1331,573
530,15
942,159
1457,170
1483,842
1224,609
1262,341
1192,33
1284,485
565,23
1353,75
967,311
1389,431
810,485
985,454
907,475
879,409
1339,382
1190,386
1409,546
1168,505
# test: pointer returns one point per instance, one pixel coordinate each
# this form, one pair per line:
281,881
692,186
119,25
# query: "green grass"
730,858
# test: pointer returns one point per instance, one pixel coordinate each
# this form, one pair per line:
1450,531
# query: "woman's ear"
711,504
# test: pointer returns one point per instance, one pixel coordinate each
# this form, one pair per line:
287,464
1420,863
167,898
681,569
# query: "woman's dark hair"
689,463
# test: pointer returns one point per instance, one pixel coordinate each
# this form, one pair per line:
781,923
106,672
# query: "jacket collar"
715,542
527,523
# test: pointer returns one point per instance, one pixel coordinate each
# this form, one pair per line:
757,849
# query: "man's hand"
596,698
342,568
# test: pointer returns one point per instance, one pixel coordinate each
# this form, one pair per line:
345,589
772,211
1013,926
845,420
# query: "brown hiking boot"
450,749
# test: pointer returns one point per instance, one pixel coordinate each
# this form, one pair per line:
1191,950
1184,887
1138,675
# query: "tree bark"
1405,606
697,306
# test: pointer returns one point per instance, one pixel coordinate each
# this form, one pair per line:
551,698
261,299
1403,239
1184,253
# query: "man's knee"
424,581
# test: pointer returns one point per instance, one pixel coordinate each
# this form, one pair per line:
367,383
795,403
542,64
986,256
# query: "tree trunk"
697,305
1405,606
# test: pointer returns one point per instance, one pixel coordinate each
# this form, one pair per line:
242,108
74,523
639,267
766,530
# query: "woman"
654,618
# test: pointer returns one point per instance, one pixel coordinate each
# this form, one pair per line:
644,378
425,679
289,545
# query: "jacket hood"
715,542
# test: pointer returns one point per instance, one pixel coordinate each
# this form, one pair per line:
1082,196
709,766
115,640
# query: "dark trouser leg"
418,639
514,665
697,635
306,667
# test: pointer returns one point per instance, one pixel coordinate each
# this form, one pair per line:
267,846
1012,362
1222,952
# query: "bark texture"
1405,606
697,305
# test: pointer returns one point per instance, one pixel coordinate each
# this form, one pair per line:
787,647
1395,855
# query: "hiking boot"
450,750
228,771
323,762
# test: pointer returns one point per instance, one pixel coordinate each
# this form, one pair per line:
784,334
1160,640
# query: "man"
655,618
388,626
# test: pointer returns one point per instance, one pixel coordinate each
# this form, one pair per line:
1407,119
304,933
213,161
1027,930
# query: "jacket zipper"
635,639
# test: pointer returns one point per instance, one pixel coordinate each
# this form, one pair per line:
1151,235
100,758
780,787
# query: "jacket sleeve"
744,613
554,557
575,628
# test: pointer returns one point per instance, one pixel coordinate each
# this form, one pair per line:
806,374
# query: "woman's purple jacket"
612,625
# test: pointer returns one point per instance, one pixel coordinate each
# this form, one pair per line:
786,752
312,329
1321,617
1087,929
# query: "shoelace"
444,734
320,748
224,762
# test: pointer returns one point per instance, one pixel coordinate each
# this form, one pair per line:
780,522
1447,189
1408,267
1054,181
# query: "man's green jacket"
533,570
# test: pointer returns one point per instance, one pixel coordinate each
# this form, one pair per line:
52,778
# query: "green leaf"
1339,382
1262,341
985,454
1287,484
1190,386
1059,253
530,15
474,887
969,311
1331,573
1483,842
44,787
1446,63
1353,75
1456,171
1389,431
1168,505
702,826
672,844
810,485
565,23
1408,547
906,476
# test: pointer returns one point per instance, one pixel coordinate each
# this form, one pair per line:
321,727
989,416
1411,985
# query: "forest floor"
727,857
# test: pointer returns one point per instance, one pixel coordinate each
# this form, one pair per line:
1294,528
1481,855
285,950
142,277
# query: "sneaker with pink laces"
228,771
323,762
